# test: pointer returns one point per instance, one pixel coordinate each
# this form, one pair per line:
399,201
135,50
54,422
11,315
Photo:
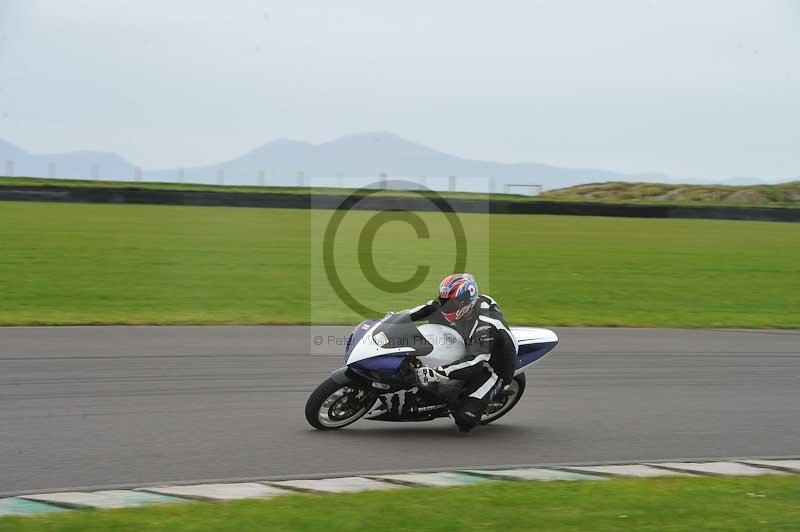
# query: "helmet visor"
454,307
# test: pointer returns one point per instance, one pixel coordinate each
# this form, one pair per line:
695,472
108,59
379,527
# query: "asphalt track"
85,406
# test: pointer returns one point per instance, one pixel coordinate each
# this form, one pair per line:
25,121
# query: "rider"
490,346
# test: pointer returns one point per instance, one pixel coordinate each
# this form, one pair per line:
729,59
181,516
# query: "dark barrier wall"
296,201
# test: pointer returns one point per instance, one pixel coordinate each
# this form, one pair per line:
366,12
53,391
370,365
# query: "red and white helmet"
457,294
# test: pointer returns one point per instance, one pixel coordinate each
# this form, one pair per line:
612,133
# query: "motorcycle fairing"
377,349
379,368
393,335
356,336
406,405
533,344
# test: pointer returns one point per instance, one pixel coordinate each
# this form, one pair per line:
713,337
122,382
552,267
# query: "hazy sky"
693,88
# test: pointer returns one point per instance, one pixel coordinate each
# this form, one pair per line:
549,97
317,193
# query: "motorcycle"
378,380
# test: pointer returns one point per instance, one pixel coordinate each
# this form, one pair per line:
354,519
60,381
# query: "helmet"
457,294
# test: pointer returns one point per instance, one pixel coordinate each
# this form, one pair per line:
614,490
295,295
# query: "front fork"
344,376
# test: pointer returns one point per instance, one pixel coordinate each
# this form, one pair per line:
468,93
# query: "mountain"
9,152
78,164
351,161
368,155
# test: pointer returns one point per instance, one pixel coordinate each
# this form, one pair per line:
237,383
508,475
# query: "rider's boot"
502,394
468,414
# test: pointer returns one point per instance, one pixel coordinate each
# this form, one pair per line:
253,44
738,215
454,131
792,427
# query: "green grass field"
664,505
115,264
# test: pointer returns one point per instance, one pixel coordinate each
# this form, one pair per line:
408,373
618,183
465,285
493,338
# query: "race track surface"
99,406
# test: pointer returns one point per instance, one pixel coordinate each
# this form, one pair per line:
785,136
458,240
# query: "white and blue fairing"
377,348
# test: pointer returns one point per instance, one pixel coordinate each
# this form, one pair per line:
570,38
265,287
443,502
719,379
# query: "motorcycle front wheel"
334,406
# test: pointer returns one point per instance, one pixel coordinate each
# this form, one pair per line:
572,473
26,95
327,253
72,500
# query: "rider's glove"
428,376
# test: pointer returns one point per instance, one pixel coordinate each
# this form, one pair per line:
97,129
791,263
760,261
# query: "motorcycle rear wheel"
334,406
491,415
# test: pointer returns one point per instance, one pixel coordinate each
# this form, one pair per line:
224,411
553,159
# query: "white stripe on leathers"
462,365
486,387
500,327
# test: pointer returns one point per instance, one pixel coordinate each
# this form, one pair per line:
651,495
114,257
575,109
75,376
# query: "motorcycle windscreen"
399,331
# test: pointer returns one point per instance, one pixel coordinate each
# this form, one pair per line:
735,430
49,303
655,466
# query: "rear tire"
518,385
334,406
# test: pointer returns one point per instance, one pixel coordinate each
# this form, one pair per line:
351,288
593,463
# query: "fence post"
451,183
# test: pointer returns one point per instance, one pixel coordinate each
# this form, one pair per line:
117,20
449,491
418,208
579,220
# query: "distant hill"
371,154
616,192
336,163
72,164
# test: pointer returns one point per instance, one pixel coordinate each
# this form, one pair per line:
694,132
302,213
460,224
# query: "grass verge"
667,504
142,264
250,189
785,195
779,195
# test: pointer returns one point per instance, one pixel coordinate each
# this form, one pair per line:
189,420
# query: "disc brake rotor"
342,406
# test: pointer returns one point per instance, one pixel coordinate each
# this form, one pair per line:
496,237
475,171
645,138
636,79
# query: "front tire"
502,408
334,406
